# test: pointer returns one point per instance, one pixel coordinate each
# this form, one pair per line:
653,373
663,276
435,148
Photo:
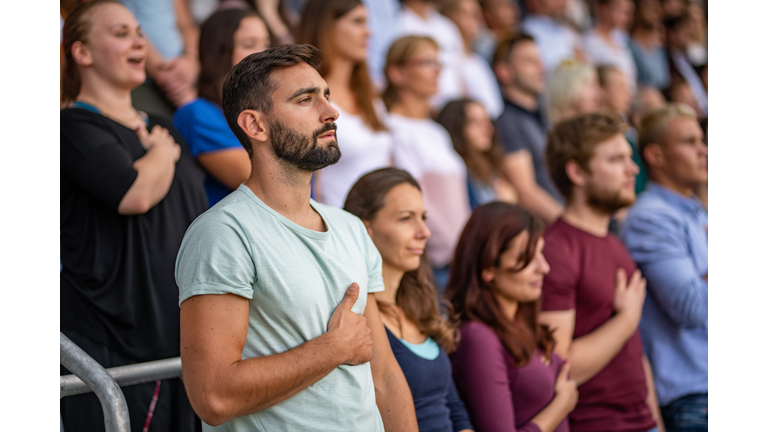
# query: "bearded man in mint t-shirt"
593,296
279,326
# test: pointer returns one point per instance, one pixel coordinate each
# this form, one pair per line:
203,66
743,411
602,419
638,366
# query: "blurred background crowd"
464,95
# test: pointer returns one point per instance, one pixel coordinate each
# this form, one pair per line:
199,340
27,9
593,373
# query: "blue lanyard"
93,109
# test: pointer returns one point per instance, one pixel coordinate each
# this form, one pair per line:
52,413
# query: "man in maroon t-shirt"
587,299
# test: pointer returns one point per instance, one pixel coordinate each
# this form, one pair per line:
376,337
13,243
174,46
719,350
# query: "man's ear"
653,155
81,54
575,173
253,124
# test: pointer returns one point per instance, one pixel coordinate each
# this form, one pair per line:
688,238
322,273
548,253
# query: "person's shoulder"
477,334
651,205
197,109
338,215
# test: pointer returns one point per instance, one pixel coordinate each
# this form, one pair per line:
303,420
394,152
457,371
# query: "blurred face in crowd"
681,36
684,154
399,230
589,98
351,34
478,130
250,37
512,285
619,13
649,12
616,93
648,99
500,15
419,73
672,8
550,8
610,181
682,93
526,69
116,50
468,18
300,125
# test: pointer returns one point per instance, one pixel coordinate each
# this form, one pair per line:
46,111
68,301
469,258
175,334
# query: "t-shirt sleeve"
204,127
510,134
373,258
215,258
93,158
459,416
481,375
559,286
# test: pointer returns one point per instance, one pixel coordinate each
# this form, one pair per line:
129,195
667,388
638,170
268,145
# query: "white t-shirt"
451,49
424,149
556,41
481,84
362,150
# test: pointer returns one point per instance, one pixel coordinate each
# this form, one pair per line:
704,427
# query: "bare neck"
339,82
508,307
283,188
586,218
103,96
419,7
412,106
392,278
524,99
664,180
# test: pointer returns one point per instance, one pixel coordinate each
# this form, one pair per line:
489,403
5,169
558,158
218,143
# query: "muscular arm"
230,166
590,353
518,167
393,397
221,386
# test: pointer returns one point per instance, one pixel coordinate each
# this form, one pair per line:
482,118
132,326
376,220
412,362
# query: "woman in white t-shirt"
338,28
423,147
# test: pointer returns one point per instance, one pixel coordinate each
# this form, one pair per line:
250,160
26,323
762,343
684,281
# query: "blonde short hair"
566,82
653,125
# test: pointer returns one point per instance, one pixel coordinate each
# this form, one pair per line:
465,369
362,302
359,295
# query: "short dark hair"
249,85
505,46
576,139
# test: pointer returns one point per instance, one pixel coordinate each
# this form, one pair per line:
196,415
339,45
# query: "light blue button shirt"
666,234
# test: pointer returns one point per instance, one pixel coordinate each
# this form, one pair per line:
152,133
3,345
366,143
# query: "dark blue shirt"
438,406
520,129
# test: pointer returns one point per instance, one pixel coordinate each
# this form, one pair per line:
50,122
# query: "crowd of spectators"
545,159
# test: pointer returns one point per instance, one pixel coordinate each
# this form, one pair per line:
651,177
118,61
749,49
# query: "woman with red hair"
504,366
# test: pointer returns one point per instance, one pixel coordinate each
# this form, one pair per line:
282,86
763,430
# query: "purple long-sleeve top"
498,395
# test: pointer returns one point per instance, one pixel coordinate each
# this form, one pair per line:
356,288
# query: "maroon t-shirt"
582,277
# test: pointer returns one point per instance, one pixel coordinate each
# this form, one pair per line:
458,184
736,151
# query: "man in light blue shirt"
666,234
279,326
556,41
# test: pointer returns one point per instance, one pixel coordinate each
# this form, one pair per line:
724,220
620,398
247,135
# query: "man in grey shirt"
279,326
522,128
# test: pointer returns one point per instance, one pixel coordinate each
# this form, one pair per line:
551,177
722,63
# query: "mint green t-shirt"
294,278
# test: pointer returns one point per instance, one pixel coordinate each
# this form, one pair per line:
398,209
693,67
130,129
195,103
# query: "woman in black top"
129,189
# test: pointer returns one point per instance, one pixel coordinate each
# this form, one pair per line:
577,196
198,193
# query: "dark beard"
607,202
302,151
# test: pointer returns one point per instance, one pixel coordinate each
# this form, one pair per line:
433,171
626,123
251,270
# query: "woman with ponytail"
129,189
389,202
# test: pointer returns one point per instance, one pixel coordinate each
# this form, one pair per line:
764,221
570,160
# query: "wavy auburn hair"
485,238
416,296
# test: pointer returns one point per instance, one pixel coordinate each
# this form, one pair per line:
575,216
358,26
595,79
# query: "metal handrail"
96,377
138,373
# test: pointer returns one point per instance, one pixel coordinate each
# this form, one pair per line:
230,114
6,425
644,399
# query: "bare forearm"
540,202
589,354
255,384
155,174
652,400
395,403
552,415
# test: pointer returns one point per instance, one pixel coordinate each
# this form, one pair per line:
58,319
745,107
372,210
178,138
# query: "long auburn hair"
485,238
217,41
484,165
76,28
318,21
416,296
